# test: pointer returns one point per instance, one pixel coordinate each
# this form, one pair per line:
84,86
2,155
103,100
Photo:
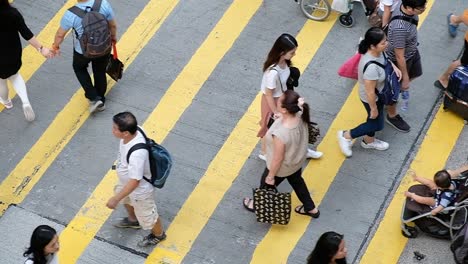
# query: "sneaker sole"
395,127
367,147
339,135
29,113
93,109
133,227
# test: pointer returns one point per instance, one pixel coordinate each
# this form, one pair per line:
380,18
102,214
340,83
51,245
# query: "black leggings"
298,184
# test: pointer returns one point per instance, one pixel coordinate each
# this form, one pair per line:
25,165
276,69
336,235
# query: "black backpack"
159,158
96,38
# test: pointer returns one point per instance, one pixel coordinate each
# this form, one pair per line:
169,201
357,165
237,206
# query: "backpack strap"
405,18
372,62
97,5
272,68
136,147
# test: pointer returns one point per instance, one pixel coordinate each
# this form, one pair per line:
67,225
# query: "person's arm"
131,185
387,14
455,173
113,30
370,86
59,37
270,100
278,156
401,64
437,210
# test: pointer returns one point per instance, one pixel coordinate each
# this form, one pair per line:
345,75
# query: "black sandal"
439,85
246,205
300,210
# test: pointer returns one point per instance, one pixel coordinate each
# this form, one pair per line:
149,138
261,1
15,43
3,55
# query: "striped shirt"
402,35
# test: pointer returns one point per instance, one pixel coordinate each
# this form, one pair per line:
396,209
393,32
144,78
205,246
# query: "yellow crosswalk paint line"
388,242
197,210
30,169
279,242
32,59
178,97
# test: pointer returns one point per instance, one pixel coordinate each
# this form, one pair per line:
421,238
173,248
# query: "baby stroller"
346,8
443,225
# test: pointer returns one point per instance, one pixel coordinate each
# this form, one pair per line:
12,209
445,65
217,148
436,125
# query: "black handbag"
314,132
114,67
272,206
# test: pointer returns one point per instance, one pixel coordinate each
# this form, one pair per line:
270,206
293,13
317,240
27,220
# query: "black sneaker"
398,123
125,223
151,240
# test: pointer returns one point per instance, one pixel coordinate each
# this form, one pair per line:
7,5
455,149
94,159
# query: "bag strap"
77,11
97,5
405,18
272,68
114,53
136,147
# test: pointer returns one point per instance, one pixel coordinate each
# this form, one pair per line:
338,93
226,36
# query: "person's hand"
373,113
276,115
397,72
413,175
47,53
270,180
409,194
112,203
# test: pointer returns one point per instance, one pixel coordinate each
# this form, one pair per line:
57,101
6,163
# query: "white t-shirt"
270,80
51,259
393,3
137,167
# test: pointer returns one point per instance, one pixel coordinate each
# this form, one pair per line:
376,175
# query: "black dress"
11,22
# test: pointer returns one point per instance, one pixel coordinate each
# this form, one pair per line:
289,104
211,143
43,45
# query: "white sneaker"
345,144
8,103
312,154
94,105
262,156
377,144
28,112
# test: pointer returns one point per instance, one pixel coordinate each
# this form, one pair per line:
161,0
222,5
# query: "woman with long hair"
275,75
286,150
330,249
44,245
12,23
371,79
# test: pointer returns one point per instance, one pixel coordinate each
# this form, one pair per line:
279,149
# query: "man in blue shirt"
95,93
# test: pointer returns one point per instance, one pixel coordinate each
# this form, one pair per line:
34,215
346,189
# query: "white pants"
19,86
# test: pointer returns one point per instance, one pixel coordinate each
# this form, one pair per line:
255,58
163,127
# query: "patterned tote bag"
272,206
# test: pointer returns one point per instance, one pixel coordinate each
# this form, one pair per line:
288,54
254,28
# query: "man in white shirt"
133,190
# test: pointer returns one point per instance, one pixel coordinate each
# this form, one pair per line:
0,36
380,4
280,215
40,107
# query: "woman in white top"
275,75
386,8
44,246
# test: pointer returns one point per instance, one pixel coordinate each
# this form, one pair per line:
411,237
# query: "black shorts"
413,66
464,57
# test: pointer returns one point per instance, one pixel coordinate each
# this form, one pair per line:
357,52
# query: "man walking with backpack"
94,30
136,193
403,51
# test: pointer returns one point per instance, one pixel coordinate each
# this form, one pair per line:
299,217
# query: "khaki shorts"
145,208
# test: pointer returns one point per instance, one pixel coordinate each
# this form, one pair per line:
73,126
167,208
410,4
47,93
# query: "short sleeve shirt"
70,20
136,168
271,80
402,35
373,72
446,198
393,3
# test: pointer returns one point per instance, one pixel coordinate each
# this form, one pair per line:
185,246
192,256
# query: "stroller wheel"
410,232
346,20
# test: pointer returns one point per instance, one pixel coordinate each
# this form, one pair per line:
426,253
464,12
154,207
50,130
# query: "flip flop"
452,29
300,210
246,204
439,85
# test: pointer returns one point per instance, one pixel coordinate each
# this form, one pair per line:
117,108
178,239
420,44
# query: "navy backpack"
391,91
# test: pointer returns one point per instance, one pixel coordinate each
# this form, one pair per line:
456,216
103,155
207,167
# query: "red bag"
349,69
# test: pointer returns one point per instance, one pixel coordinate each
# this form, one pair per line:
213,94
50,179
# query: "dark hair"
413,3
283,45
40,237
326,247
442,179
373,36
290,103
5,3
126,121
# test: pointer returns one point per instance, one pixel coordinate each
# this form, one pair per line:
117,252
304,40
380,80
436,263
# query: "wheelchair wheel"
346,20
315,9
410,232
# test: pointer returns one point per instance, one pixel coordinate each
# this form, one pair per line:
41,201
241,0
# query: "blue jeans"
371,125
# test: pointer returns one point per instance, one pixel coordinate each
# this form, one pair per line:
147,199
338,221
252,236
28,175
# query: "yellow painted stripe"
178,97
279,242
32,59
197,210
31,168
388,242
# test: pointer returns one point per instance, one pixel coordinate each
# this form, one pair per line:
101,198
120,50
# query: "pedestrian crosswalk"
185,229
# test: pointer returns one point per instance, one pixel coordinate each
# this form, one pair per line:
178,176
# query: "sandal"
8,104
246,204
300,210
439,85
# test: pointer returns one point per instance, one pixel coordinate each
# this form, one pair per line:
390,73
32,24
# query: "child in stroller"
437,207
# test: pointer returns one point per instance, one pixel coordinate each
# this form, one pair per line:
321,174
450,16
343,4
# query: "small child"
444,186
